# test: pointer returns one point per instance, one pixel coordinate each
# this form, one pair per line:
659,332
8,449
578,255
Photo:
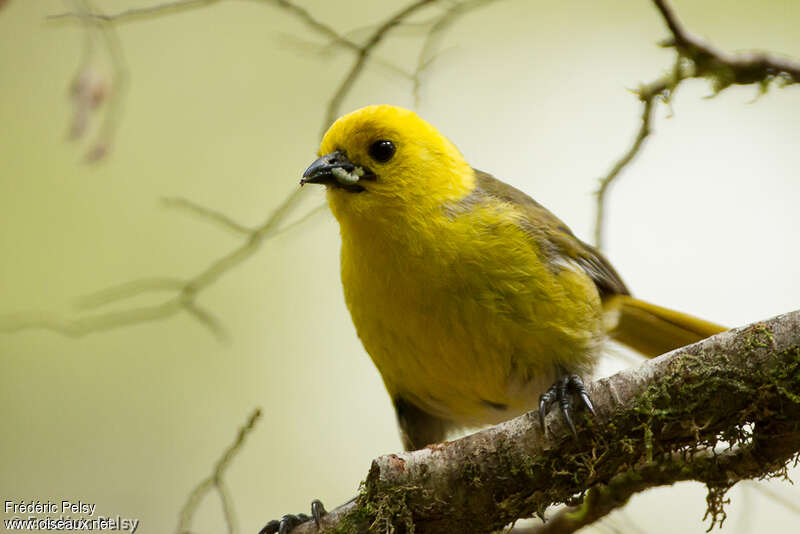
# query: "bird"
475,303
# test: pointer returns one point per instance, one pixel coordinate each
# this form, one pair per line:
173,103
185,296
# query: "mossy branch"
719,411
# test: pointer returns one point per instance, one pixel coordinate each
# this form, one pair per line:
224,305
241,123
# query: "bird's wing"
553,237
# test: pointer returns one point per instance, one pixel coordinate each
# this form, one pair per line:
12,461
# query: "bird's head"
381,159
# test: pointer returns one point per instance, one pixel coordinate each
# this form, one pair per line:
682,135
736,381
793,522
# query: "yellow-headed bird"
474,301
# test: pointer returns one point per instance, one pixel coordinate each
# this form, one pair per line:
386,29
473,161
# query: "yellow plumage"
471,298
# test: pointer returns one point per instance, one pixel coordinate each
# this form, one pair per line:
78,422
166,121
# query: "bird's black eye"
382,150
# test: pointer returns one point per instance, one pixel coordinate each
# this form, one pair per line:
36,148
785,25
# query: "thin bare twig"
128,290
215,481
336,39
323,50
180,6
207,213
116,100
627,157
105,23
89,88
695,59
136,13
335,103
19,322
206,318
185,291
86,90
434,36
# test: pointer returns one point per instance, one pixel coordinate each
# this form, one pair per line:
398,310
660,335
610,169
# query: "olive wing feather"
554,237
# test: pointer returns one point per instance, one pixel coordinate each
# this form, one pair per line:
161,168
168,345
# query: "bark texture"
718,411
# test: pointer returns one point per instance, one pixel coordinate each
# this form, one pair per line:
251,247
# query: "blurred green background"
224,107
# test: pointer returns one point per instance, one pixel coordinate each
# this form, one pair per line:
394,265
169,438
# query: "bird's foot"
562,392
289,521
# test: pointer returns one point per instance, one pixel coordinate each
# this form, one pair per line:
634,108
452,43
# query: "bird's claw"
289,521
561,392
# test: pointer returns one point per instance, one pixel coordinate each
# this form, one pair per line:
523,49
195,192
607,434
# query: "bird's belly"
464,351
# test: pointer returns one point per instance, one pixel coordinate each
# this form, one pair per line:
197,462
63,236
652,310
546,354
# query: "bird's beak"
336,170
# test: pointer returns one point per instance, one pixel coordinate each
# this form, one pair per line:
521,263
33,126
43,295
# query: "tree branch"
91,16
90,88
743,69
136,13
627,157
184,298
695,59
374,40
184,292
215,481
718,411
706,414
437,28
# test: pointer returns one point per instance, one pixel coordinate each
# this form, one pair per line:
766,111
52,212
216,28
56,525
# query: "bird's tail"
653,330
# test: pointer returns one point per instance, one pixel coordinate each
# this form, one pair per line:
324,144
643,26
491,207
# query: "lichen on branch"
720,411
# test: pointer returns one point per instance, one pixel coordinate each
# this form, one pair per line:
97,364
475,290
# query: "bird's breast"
464,321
